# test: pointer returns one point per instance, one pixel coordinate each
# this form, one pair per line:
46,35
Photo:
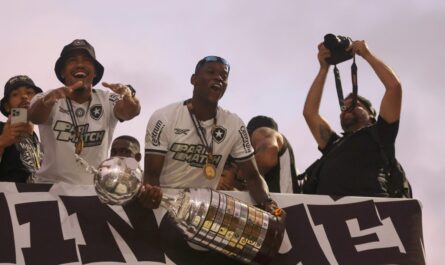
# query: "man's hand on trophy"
150,196
271,206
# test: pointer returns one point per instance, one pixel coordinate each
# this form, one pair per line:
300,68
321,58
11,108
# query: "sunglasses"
212,58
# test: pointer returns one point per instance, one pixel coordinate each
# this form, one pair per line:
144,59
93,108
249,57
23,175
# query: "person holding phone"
20,151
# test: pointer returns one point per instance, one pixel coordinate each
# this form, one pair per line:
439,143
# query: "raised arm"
319,127
128,107
40,109
391,104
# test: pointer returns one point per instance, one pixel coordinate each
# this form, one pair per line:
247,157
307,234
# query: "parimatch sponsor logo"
194,155
67,133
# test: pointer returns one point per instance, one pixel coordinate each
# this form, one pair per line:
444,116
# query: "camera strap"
340,89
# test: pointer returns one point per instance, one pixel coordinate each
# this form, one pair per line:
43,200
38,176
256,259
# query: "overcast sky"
272,48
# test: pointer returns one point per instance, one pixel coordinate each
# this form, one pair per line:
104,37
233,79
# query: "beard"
350,122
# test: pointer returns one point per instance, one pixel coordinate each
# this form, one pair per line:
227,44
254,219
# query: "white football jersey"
171,133
96,121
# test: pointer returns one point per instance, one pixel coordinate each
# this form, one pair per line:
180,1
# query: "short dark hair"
129,138
261,121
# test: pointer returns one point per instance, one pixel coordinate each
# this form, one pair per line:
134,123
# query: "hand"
360,47
51,98
12,132
323,54
117,88
271,206
150,196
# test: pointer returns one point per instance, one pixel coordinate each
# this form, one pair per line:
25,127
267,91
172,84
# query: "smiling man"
188,142
77,118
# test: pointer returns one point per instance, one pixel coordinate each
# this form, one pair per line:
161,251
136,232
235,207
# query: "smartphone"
19,115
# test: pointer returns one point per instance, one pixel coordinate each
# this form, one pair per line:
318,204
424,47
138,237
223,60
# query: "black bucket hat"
261,121
78,45
14,83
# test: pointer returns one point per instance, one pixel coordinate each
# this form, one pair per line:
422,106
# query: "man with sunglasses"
351,164
187,143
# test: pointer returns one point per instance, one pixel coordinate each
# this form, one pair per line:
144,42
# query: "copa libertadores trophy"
211,219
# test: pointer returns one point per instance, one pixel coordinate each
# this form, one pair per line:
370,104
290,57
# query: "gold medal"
209,171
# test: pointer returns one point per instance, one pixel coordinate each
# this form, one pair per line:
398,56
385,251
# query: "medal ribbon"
79,144
200,131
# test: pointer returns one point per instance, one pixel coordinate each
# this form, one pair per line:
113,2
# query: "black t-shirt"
18,161
352,162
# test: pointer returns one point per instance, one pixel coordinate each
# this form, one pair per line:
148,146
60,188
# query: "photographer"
351,163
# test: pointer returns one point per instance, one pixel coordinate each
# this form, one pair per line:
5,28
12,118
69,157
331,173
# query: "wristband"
132,90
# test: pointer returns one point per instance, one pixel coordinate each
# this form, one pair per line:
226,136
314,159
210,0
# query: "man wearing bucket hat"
351,163
19,146
77,118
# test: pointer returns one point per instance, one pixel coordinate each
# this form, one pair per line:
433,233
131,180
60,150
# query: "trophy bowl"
118,180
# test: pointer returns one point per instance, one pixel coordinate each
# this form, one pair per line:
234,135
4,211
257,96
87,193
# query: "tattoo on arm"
325,133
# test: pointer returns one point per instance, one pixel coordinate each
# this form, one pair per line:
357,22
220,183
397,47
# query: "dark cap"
212,58
261,121
14,83
78,45
366,102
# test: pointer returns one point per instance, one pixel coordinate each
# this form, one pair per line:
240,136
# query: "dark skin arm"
256,185
151,194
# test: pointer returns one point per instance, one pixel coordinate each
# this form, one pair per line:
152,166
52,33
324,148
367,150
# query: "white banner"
67,224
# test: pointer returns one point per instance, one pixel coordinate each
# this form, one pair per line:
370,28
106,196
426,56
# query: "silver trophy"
117,180
211,219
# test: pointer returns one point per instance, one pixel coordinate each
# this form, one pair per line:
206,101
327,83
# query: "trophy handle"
177,205
90,169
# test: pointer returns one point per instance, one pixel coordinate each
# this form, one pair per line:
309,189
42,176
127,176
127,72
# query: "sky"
272,49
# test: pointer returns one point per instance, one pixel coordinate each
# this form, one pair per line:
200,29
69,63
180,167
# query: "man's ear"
193,79
138,157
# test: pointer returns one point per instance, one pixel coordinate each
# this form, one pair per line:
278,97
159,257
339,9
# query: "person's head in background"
230,177
126,146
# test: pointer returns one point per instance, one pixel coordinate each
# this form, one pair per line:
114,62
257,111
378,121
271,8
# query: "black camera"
337,45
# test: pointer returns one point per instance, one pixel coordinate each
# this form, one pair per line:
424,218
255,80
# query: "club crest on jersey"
219,134
96,111
80,112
